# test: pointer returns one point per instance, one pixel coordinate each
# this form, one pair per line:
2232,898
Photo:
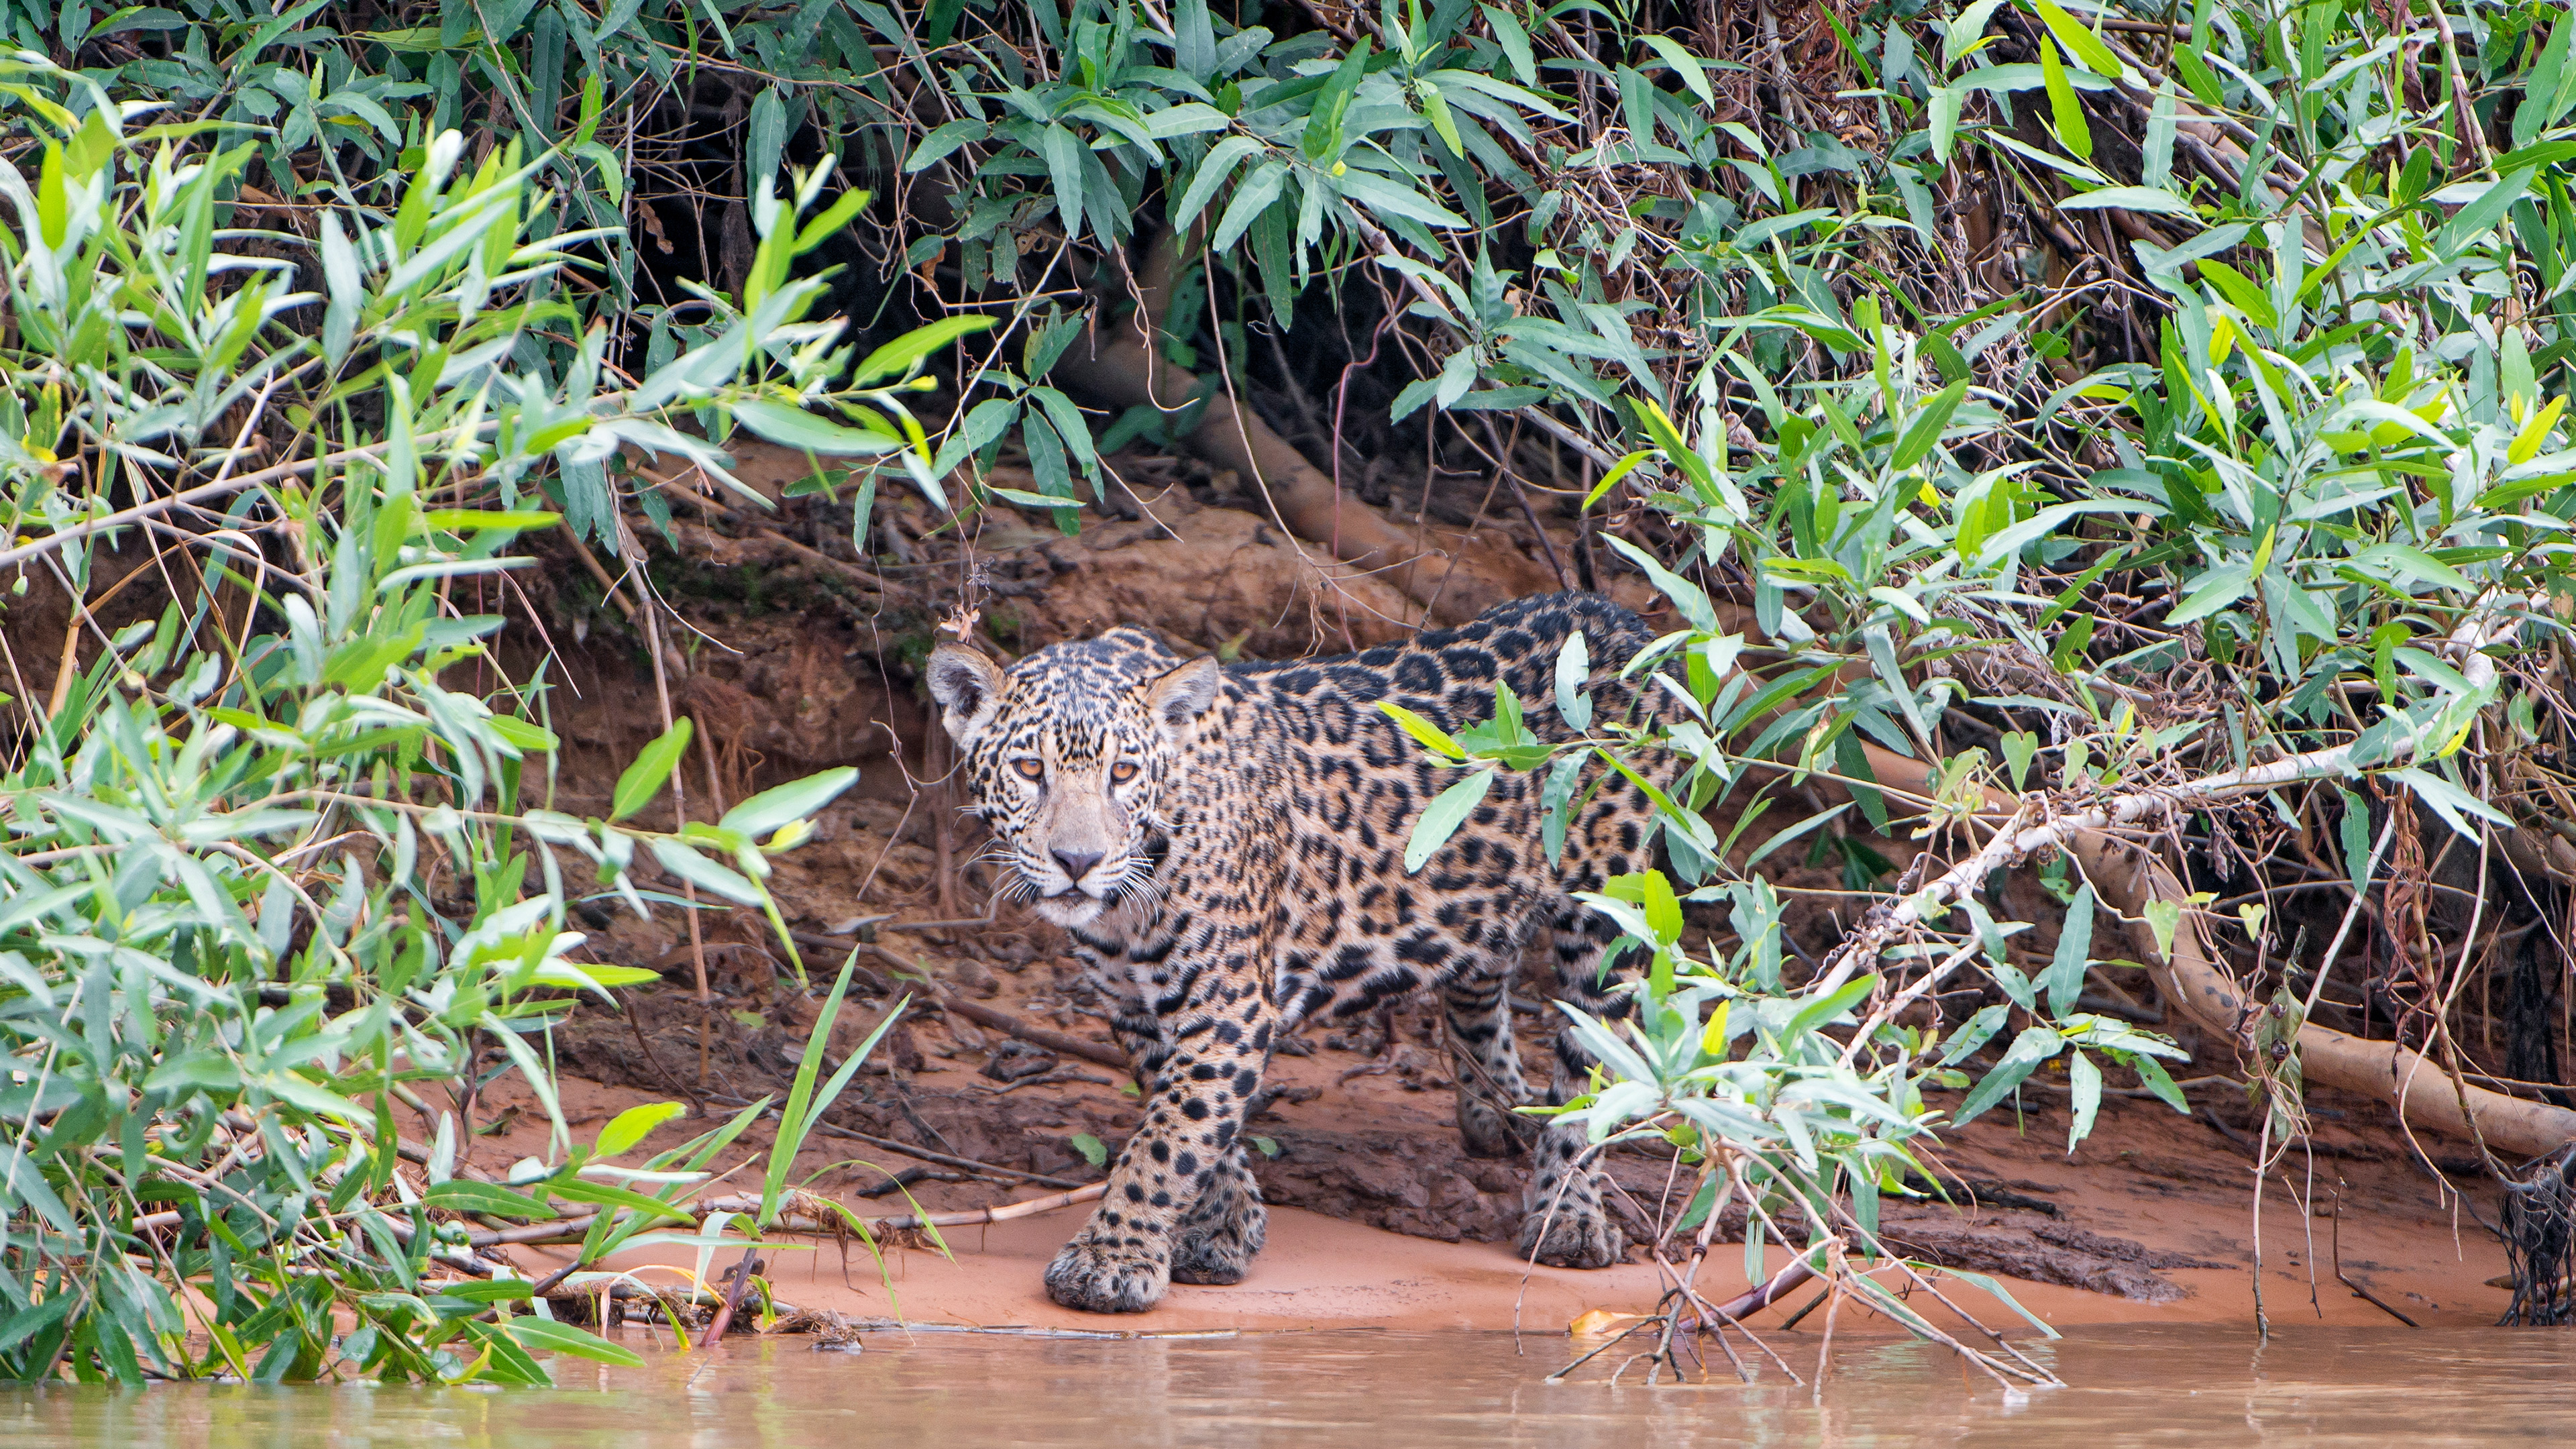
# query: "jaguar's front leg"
1225,1229
1180,1200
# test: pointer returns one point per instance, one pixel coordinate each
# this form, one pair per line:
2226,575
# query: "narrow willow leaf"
652,768
1442,817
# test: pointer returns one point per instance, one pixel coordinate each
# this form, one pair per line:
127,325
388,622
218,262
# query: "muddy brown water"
2132,1385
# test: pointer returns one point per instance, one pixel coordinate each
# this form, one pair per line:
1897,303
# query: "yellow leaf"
1713,1041
2526,444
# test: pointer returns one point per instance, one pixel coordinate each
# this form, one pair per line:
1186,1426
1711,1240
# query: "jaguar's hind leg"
1564,1220
1218,1240
1483,1058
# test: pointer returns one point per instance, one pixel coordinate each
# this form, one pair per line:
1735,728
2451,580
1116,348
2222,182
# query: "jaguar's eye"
1123,771
1030,769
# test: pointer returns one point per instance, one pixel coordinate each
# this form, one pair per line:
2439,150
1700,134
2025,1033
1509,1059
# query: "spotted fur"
1225,845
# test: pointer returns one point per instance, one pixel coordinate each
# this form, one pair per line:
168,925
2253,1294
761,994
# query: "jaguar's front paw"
1572,1237
1099,1277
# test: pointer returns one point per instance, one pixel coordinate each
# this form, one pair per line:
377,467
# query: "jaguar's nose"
1076,863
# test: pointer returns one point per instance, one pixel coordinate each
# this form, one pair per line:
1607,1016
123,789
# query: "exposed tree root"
2129,879
1115,364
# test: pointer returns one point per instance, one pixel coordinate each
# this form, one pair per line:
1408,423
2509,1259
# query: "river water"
2154,1385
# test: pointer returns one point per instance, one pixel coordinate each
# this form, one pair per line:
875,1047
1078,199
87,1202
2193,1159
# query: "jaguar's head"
1069,754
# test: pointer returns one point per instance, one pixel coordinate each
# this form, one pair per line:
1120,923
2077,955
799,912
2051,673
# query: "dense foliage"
2075,403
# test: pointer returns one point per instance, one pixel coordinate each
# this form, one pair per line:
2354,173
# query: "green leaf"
521,734
2217,589
1685,65
498,1290
2036,1044
1515,43
1823,1011
2065,977
2453,804
1978,1030
2161,128
1797,831
610,1195
1924,429
1945,120
2153,1076
1210,175
1391,201
545,1335
2020,748
2152,199
2355,832
1965,29
2240,292
1025,499
1062,152
2475,219
1650,416
944,140
2163,918
1253,197
1688,597
1997,1291
2072,129
2086,1080
2197,75
765,812
1193,41
2414,563
805,1106
705,874
2081,43
652,769
460,1195
796,428
904,353
633,1125
1442,817
1093,1150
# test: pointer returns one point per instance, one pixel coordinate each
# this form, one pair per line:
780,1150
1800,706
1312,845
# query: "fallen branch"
1054,1041
1753,1299
795,1220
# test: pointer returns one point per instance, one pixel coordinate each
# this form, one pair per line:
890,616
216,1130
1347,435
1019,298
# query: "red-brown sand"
2164,1182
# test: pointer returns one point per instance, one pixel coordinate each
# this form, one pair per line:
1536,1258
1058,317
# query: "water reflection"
2197,1385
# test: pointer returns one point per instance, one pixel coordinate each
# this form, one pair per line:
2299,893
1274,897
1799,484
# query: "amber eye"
1030,769
1123,771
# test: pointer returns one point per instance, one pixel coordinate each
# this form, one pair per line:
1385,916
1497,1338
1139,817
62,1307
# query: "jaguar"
1223,844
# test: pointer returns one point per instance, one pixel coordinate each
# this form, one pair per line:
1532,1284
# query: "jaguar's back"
1226,847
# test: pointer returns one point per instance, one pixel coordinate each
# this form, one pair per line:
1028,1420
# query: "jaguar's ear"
965,683
1185,693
